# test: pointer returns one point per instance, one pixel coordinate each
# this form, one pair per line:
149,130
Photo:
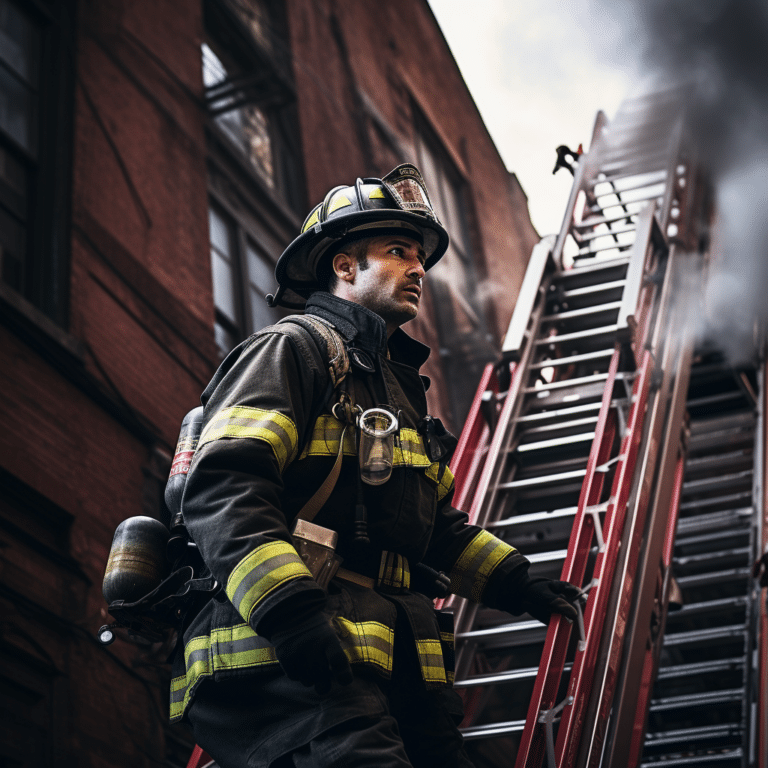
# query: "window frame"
226,30
46,259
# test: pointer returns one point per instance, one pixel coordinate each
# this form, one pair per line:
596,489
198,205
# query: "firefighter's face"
390,283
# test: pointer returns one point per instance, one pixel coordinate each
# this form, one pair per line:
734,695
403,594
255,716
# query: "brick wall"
91,411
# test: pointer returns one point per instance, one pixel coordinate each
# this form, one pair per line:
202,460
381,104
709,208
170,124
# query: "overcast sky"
539,70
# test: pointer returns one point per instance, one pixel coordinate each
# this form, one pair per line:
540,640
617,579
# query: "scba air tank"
137,561
185,450
189,435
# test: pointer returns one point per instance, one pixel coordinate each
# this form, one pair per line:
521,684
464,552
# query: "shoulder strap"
335,345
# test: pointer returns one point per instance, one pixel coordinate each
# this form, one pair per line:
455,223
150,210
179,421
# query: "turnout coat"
268,443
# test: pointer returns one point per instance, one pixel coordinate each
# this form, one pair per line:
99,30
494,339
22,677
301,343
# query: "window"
243,274
33,162
465,347
249,92
254,164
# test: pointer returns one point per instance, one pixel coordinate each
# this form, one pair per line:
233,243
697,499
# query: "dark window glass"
34,94
243,273
249,91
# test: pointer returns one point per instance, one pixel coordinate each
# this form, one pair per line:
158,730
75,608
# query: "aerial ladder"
620,456
619,452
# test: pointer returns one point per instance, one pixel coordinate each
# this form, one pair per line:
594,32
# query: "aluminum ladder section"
569,423
703,702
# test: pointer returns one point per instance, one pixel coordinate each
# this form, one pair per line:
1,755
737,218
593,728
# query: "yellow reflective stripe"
378,192
476,563
410,452
394,571
431,660
198,663
367,642
338,202
443,482
238,647
261,572
324,441
312,220
240,421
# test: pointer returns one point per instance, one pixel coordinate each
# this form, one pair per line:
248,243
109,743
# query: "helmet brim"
297,268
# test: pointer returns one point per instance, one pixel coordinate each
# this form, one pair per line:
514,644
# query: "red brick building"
155,159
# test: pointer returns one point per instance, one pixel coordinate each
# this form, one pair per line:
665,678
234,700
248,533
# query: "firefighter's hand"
309,651
543,597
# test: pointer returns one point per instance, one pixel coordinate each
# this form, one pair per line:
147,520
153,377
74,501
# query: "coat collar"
367,330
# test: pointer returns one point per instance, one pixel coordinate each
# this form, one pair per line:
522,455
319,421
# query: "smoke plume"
718,46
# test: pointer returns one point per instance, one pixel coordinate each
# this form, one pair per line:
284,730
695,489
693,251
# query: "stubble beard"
392,311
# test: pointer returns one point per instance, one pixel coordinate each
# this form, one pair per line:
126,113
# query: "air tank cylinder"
137,561
189,434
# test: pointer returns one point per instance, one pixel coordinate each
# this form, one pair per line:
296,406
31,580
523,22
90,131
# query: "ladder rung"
561,477
600,354
548,429
709,483
588,238
697,699
729,499
566,383
723,461
527,673
493,729
621,247
715,521
596,221
705,733
744,420
558,442
534,518
571,314
610,179
547,557
707,606
719,577
501,629
587,290
742,553
701,668
714,399
696,761
559,413
606,330
713,536
704,636
643,188
586,268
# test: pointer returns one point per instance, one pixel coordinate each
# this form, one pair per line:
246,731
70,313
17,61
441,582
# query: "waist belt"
394,574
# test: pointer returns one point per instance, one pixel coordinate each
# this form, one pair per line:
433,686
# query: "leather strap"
355,578
315,504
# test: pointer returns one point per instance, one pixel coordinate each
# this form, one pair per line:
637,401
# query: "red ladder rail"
469,456
199,758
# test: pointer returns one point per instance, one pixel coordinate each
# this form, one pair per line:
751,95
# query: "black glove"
542,597
309,651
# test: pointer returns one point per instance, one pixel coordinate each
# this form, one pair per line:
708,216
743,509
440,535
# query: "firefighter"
285,667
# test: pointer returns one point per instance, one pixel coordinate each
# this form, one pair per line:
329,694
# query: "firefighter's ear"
344,266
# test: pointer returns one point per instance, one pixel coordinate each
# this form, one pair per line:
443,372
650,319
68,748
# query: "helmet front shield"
406,186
